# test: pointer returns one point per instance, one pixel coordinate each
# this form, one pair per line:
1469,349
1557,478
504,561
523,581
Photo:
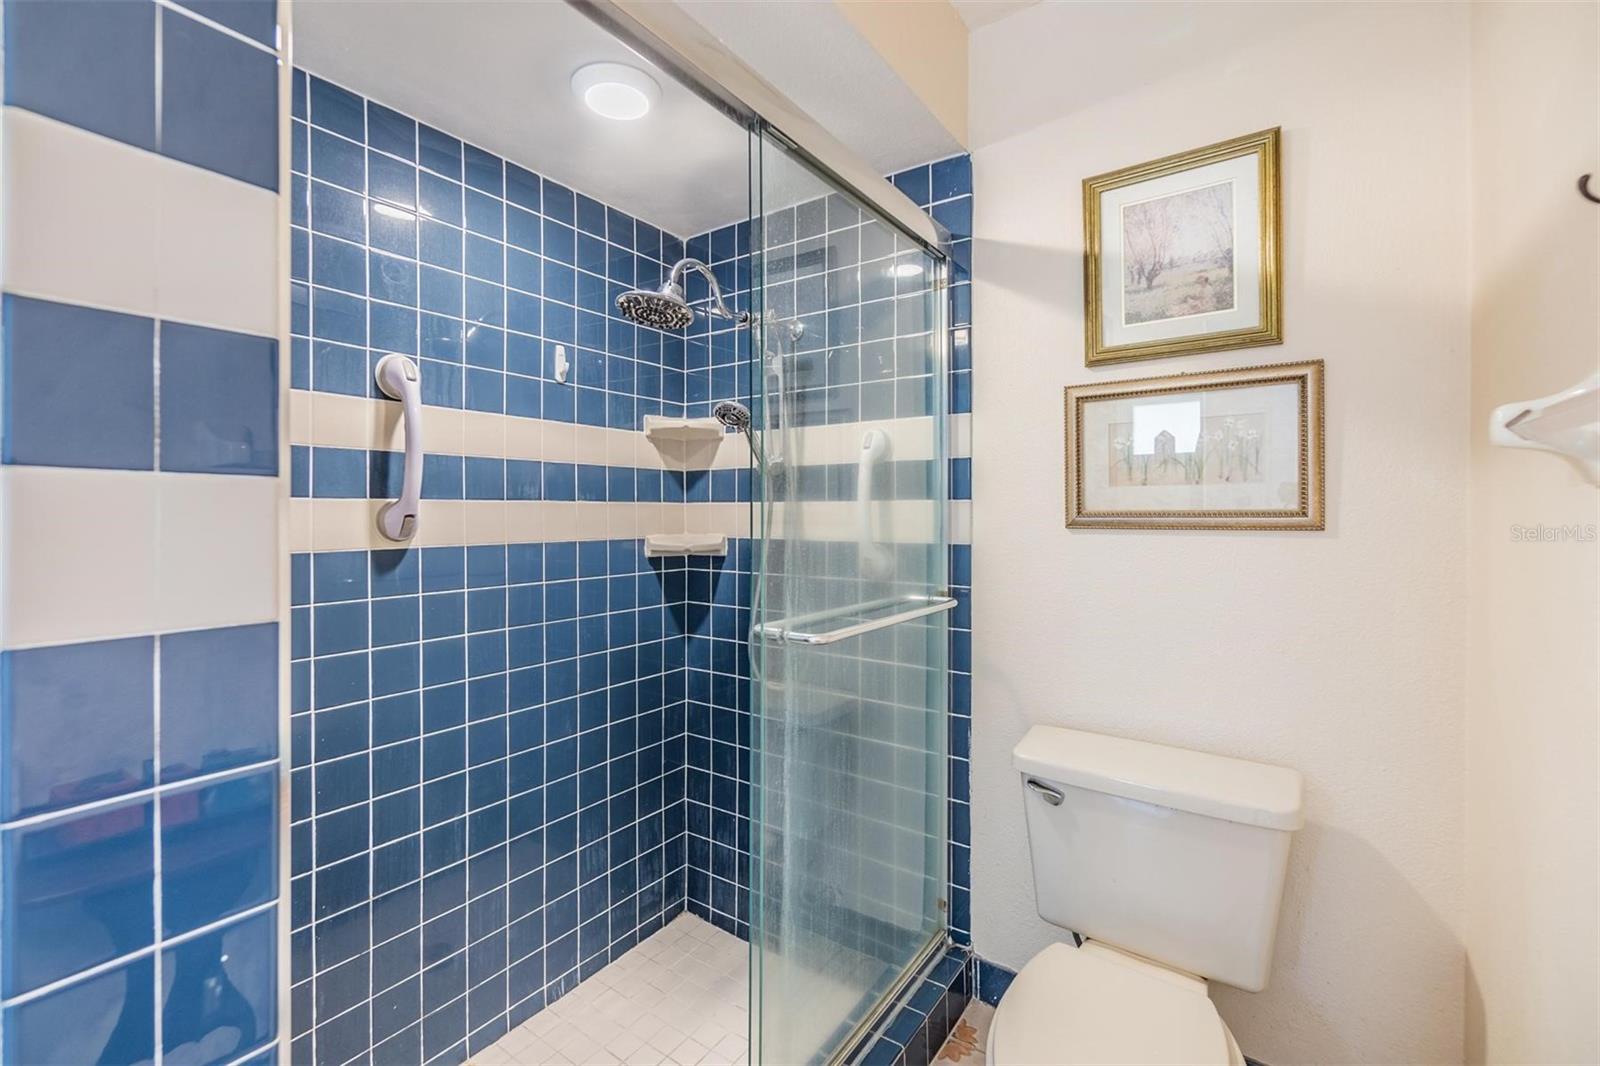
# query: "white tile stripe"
99,554
88,220
317,525
333,420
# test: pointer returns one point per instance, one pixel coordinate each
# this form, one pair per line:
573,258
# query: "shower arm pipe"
716,305
669,37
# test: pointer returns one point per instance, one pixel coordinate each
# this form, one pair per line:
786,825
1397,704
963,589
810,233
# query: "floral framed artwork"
1183,254
1225,449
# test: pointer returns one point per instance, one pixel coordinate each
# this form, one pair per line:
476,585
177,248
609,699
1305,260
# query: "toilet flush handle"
1050,795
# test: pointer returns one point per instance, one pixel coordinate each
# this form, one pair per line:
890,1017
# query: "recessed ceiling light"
616,91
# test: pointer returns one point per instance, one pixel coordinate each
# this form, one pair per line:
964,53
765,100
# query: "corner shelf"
661,428
657,545
1566,422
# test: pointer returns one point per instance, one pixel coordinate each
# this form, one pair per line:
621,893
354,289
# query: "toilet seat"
1096,1005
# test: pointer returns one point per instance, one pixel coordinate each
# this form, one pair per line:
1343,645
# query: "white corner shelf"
659,428
1566,422
657,545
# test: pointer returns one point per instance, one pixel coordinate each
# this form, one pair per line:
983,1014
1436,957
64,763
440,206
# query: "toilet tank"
1172,854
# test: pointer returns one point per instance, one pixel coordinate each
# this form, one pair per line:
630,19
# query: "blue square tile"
76,723
390,131
336,109
256,19
952,177
219,699
109,85
220,1001
339,265
67,368
338,161
219,401
219,102
77,892
106,1020
439,152
218,850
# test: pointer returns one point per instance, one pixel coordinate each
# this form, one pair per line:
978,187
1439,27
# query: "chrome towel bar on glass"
913,606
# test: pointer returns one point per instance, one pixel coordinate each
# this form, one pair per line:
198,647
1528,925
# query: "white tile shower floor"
679,997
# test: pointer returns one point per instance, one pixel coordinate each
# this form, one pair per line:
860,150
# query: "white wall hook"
1566,422
399,379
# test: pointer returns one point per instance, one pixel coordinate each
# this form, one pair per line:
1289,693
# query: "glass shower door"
848,867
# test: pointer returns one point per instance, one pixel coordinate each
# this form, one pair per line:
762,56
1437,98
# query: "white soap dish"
662,428
658,544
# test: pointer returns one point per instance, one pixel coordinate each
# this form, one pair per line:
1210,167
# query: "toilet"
1168,864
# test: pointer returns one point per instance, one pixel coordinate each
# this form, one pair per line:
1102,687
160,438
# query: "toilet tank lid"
1216,786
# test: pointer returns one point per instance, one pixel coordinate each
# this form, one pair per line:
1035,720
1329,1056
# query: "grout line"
219,27
149,792
133,956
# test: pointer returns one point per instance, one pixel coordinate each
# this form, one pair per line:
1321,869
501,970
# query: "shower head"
732,414
666,307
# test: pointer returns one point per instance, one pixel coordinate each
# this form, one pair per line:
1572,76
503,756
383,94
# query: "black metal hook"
1583,187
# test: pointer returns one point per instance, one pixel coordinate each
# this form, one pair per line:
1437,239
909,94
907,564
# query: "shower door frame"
673,41
862,1035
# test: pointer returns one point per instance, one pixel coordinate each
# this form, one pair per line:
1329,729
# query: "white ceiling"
497,74
808,51
977,13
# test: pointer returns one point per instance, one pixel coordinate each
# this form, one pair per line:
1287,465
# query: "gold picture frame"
1239,455
1153,324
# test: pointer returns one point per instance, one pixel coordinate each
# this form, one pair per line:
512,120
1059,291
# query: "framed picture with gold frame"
1184,254
1224,449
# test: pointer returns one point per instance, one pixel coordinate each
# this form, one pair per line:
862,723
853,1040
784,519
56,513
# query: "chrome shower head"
732,414
664,309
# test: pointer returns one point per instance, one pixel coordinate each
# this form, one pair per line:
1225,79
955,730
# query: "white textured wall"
1532,890
1339,653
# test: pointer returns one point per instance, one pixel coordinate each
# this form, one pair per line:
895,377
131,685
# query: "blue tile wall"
66,367
929,1011
717,786
76,724
94,790
488,785
219,83
139,776
407,240
219,401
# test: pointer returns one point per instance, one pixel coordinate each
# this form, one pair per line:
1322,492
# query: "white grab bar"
875,559
398,378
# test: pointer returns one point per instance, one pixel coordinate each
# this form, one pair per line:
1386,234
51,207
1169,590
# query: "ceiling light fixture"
615,91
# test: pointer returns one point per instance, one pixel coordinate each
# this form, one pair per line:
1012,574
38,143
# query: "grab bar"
397,377
918,606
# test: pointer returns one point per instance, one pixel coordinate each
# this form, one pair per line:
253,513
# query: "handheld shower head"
732,414
666,307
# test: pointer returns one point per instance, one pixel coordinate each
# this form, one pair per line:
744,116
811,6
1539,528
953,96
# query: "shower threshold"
680,997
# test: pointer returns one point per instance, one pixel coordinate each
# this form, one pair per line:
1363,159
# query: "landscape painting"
1217,449
1224,450
1177,255
1183,254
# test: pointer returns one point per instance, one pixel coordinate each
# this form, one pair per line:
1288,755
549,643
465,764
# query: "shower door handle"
398,378
912,608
